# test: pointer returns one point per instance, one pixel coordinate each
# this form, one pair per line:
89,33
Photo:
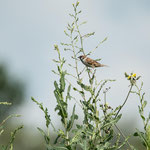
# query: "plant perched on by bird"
98,128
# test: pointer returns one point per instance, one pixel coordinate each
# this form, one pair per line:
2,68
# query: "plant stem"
124,101
142,111
81,39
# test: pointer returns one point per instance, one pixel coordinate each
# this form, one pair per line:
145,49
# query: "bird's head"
81,57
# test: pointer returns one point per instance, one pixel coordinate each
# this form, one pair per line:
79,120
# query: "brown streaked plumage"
90,62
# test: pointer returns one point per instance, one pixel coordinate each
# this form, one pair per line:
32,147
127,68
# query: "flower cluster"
132,77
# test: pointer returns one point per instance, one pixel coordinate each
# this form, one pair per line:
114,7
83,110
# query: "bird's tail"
102,65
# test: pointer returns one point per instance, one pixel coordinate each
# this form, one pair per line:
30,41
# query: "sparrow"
90,62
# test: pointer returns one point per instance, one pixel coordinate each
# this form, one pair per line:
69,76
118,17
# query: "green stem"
81,39
124,101
142,111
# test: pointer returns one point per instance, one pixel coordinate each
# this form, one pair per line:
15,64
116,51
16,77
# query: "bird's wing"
93,62
89,61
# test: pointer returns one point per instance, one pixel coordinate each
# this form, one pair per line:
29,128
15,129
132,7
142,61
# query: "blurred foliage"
11,90
25,139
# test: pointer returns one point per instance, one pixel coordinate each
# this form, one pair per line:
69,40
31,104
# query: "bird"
90,62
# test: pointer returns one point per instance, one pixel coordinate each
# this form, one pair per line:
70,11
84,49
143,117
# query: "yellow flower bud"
129,77
134,75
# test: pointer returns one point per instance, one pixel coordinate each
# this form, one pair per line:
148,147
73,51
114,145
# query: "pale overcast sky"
30,28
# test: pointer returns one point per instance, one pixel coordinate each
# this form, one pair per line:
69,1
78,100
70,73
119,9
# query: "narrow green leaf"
75,38
112,122
85,87
144,104
68,93
56,86
142,117
62,82
13,134
5,103
79,12
88,35
45,110
55,142
47,117
104,39
83,23
47,139
126,75
71,121
142,137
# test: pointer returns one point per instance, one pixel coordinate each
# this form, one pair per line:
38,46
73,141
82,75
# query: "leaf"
68,93
81,92
71,121
85,87
47,116
123,143
126,75
66,33
104,39
61,105
56,61
58,67
144,104
142,137
77,136
75,38
5,103
83,23
112,122
88,35
71,15
55,72
138,77
139,109
79,12
13,134
142,116
1,131
75,89
62,82
67,49
55,142
47,139
10,116
56,86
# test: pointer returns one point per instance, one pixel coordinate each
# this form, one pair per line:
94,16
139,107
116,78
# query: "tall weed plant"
97,131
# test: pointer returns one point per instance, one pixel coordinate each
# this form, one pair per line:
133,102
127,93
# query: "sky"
30,28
